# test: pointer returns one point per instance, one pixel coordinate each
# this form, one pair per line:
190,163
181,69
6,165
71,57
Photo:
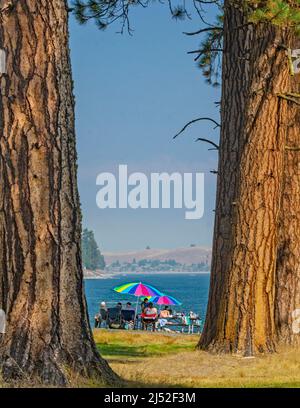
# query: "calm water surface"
191,290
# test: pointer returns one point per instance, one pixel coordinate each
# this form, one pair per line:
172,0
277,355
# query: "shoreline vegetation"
185,260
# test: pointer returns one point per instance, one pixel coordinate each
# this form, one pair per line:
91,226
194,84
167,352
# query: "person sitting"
149,316
101,317
128,316
103,306
164,314
193,315
144,304
114,319
97,321
150,310
119,305
129,306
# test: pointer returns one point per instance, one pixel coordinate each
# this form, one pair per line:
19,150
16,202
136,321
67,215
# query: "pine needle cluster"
282,13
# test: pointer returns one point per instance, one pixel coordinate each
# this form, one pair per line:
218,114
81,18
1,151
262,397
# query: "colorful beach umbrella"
165,300
138,289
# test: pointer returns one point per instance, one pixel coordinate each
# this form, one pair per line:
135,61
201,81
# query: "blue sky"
133,93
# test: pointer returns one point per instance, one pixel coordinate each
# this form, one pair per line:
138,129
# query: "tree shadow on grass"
121,350
123,361
141,351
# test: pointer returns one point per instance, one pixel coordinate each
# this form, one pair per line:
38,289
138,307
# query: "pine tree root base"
223,347
285,338
51,371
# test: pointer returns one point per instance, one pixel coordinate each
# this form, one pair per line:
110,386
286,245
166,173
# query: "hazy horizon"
155,248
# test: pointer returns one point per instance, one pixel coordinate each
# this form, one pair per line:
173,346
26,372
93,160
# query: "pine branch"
204,30
200,139
194,121
204,51
106,12
291,97
282,13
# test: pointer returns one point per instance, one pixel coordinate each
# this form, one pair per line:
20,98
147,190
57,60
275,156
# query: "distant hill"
188,256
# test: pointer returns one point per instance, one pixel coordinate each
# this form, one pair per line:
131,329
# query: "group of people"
124,316
102,317
150,316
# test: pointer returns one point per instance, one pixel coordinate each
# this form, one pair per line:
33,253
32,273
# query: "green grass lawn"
171,360
119,348
146,359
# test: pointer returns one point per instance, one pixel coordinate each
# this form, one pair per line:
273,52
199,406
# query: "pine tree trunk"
240,316
287,298
41,286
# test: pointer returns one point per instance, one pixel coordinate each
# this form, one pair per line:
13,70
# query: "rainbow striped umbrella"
138,289
165,300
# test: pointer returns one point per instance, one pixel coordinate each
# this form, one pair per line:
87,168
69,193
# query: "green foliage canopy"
91,255
283,13
105,12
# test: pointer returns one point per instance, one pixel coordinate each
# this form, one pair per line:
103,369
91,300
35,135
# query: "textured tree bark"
287,298
41,285
240,316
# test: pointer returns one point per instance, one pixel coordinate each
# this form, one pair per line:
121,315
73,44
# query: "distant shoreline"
110,275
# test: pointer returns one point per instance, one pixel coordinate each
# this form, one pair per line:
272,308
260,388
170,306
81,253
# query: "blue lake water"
191,290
